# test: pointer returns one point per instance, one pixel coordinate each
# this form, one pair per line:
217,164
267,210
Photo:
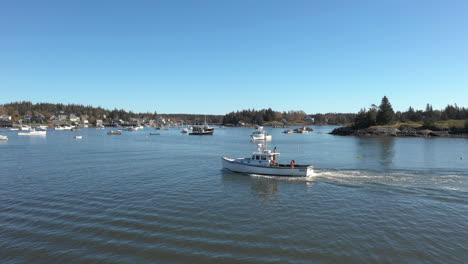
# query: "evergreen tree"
364,119
385,115
429,113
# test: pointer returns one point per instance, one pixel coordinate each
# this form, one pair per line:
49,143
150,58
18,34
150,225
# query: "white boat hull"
64,128
33,133
3,137
237,165
261,137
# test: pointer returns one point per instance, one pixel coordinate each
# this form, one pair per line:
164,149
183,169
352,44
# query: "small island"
383,121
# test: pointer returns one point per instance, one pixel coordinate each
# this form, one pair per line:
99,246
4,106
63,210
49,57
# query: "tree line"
260,117
385,115
375,115
17,110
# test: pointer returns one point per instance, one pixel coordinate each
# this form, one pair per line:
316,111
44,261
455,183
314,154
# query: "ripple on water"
131,200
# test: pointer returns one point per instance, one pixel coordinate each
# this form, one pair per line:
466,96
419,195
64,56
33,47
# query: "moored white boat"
2,137
260,134
33,133
264,162
78,137
64,127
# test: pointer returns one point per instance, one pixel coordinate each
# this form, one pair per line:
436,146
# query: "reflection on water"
263,186
386,150
378,149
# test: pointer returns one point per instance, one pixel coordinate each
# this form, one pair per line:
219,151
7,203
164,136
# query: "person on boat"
292,163
273,162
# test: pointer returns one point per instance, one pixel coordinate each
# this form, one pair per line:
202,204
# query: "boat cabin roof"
266,153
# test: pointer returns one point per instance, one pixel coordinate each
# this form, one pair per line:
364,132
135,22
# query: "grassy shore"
441,124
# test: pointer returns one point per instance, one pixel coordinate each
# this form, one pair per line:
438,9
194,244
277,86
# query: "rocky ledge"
395,132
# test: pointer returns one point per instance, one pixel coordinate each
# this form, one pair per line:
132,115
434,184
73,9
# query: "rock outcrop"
395,132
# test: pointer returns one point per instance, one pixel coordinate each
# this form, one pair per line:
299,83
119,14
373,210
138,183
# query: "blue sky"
213,57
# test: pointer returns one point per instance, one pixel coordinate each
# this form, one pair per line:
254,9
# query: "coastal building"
134,121
99,122
161,120
84,119
62,117
117,122
309,118
39,118
27,118
5,117
5,121
74,118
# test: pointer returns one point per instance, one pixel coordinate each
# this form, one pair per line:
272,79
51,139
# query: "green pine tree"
385,115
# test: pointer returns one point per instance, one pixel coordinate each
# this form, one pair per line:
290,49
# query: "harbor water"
140,198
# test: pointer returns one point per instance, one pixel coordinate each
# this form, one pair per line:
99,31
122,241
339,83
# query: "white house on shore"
74,118
5,117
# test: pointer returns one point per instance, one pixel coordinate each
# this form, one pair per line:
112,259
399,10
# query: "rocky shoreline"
398,132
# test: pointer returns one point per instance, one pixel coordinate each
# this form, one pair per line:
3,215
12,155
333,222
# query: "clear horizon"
214,57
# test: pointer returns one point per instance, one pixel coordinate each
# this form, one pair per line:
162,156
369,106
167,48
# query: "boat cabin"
263,158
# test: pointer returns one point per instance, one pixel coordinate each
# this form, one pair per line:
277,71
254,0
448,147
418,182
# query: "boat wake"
446,180
403,180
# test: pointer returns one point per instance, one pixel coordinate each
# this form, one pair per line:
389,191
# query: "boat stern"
310,171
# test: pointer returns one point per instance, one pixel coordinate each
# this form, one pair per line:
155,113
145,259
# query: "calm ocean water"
137,198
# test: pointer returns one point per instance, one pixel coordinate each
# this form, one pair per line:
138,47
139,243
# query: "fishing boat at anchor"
33,133
260,134
199,131
264,162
